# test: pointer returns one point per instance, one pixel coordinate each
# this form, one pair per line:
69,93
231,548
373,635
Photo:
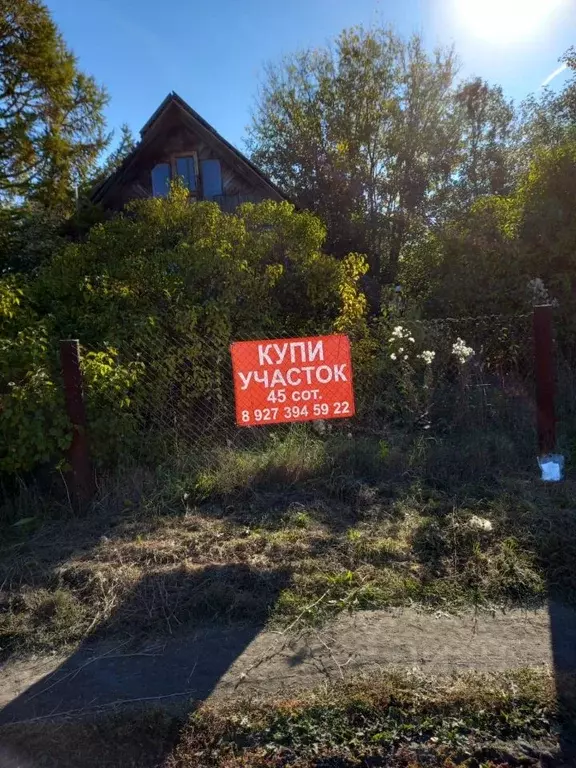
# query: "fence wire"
174,391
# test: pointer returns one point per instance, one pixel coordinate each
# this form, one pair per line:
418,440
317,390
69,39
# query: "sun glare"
506,21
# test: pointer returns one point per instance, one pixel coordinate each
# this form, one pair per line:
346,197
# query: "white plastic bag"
552,467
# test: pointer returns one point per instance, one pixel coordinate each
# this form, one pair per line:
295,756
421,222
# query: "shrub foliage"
159,292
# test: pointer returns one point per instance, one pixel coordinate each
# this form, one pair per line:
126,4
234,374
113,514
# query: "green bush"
112,422
155,296
167,267
33,424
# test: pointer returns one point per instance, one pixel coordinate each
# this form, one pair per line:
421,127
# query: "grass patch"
401,720
44,619
294,459
394,720
296,532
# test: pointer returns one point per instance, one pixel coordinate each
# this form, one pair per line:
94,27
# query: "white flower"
405,357
401,350
392,356
480,523
427,356
411,339
398,332
461,351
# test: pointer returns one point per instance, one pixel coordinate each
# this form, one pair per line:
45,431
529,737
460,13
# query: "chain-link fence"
179,395
149,399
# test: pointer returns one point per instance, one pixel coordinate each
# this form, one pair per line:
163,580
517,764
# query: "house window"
161,180
186,170
211,178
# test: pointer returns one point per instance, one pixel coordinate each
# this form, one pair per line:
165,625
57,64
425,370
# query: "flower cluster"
462,352
427,356
401,337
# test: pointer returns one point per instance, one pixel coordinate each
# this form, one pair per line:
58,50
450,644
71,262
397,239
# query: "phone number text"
289,412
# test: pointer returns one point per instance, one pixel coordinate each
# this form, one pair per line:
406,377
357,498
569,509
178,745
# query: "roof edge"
174,98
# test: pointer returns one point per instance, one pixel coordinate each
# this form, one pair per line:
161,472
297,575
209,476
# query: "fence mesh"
175,392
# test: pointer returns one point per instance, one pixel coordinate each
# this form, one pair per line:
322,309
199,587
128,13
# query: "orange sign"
283,380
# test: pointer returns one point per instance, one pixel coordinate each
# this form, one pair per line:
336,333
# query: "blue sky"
212,53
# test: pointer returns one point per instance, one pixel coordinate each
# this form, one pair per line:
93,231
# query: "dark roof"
100,190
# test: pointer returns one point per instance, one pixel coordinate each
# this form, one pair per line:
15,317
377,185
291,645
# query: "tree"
51,121
116,157
549,119
568,95
30,234
492,259
547,195
486,126
470,265
364,134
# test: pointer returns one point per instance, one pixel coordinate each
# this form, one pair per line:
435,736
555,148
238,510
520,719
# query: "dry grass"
402,720
298,531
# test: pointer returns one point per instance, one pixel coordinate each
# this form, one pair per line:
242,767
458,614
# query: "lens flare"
506,21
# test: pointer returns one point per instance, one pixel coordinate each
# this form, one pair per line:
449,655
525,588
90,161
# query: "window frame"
174,167
170,177
172,163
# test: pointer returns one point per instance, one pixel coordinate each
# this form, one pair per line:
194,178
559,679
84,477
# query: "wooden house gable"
176,141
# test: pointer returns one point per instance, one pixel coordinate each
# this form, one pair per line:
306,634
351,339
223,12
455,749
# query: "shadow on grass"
180,669
257,487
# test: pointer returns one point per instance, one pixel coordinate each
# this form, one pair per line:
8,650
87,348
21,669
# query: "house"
177,142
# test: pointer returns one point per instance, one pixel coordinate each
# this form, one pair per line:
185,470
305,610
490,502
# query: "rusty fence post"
544,375
81,475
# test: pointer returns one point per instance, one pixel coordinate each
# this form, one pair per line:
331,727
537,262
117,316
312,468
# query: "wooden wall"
170,136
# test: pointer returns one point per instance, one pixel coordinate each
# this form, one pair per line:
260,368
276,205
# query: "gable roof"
202,128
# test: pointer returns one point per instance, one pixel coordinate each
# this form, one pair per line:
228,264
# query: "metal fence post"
80,474
544,375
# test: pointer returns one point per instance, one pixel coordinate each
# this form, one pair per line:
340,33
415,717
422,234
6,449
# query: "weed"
396,719
41,618
300,519
368,548
281,461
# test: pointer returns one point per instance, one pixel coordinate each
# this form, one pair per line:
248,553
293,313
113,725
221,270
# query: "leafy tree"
115,158
30,235
364,134
471,265
547,195
568,95
486,126
485,262
51,122
549,119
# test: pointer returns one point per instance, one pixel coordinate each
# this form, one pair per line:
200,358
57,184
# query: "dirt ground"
212,662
